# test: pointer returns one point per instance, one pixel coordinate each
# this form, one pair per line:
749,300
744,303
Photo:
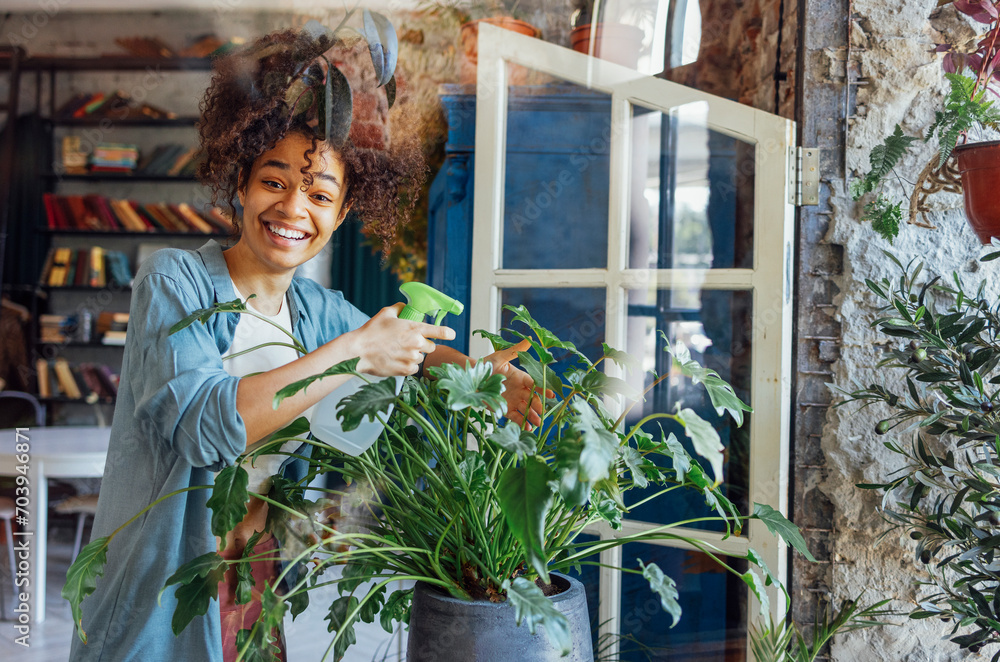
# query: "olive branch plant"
478,520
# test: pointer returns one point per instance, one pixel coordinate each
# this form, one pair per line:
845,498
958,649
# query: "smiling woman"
275,134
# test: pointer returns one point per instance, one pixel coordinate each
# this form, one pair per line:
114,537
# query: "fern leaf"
961,86
884,216
884,157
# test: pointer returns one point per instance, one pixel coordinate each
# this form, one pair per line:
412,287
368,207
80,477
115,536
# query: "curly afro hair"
244,114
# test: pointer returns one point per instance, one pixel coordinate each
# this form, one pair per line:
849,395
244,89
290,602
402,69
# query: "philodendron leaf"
598,384
753,580
203,314
397,608
779,525
600,445
297,429
347,367
473,472
498,342
244,575
229,500
340,610
525,496
369,400
198,584
372,604
769,577
261,647
546,338
665,587
607,509
534,609
471,387
513,439
723,397
81,578
634,461
706,440
539,372
382,44
680,457
623,359
573,490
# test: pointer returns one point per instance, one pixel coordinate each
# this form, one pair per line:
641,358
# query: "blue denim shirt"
176,423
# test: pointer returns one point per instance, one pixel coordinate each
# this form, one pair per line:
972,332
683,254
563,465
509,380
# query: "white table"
54,452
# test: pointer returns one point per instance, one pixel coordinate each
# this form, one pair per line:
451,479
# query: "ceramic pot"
614,42
979,164
446,628
516,75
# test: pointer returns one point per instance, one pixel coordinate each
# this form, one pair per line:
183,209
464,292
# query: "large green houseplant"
456,497
939,405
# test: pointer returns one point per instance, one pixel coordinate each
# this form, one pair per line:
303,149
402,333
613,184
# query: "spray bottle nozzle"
422,299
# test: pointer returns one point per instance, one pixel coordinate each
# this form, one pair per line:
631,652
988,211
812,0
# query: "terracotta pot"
445,628
516,75
614,42
979,164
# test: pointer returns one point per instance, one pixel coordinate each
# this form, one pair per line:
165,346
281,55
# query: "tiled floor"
307,636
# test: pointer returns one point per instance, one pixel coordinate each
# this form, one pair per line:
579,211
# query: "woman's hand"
519,388
389,346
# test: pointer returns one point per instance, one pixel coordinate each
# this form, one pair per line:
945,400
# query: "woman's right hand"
389,346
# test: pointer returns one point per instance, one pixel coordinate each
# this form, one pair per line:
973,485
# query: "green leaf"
779,525
262,646
372,604
622,359
203,314
339,623
348,367
355,573
607,509
229,500
706,440
680,457
634,461
534,609
665,587
884,216
81,578
524,496
473,473
598,384
753,580
244,575
198,584
513,439
723,397
498,342
369,400
471,387
546,338
769,577
538,372
572,488
297,429
600,445
397,608
885,156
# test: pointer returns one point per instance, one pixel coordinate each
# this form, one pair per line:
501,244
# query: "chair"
82,505
31,400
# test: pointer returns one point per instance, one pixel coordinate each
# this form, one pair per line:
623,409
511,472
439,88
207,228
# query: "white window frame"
769,280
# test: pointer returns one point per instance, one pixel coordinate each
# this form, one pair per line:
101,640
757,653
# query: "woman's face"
286,222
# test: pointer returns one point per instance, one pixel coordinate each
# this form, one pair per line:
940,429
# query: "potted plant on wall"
605,35
939,415
481,512
962,163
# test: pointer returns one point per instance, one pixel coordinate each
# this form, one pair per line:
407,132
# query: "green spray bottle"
421,300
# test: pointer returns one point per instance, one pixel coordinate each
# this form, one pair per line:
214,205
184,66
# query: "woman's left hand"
519,388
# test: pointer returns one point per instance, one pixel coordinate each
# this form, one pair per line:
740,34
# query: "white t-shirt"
251,332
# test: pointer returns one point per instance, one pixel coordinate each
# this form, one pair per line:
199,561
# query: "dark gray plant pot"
445,628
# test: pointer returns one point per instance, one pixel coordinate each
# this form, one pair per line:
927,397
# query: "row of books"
208,45
171,159
96,212
85,267
110,328
117,105
91,382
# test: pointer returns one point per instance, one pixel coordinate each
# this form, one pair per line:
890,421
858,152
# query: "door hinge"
803,176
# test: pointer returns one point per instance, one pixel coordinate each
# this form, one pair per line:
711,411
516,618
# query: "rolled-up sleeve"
183,395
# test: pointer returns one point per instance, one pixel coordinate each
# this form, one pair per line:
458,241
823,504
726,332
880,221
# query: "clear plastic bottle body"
326,427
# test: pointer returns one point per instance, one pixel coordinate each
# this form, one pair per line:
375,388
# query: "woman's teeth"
285,232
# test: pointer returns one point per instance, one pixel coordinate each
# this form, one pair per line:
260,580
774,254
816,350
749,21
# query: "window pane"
557,175
692,193
715,327
573,314
712,627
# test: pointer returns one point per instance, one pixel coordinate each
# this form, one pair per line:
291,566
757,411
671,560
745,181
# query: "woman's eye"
322,198
271,183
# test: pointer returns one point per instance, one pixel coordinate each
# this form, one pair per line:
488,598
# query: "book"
98,206
164,160
93,102
219,218
177,221
83,386
140,210
82,268
75,102
127,216
113,338
108,321
185,211
162,219
74,159
93,385
151,47
108,379
43,278
67,213
98,276
42,369
117,268
67,384
181,161
60,265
